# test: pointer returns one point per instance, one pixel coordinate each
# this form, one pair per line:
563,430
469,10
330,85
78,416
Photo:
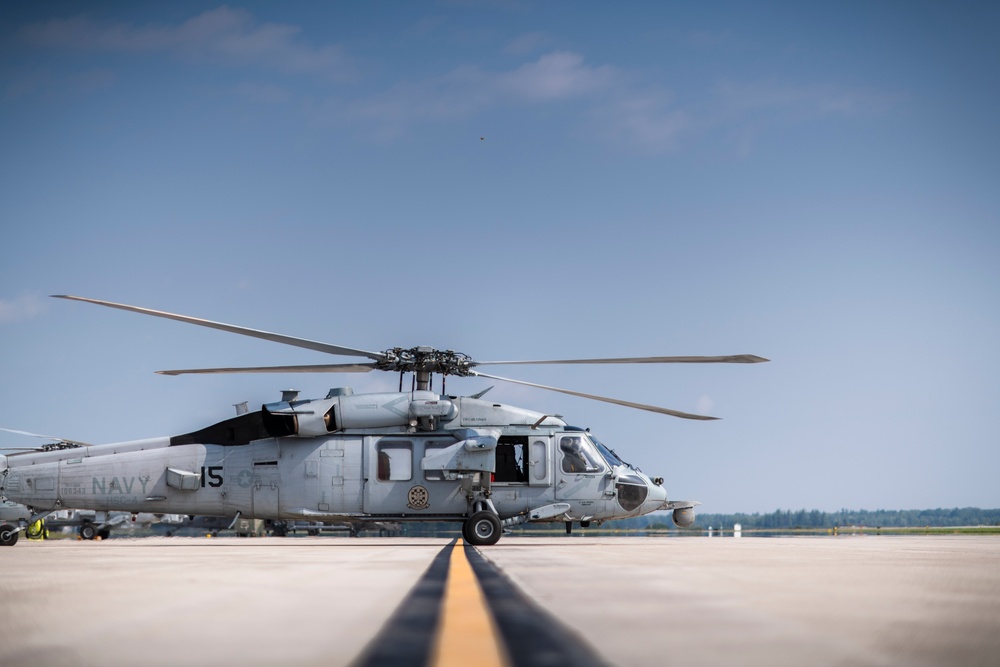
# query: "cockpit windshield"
578,454
606,452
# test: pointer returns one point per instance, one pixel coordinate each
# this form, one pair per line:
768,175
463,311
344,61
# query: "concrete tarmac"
893,600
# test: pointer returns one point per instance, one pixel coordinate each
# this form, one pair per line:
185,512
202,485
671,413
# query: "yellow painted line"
467,633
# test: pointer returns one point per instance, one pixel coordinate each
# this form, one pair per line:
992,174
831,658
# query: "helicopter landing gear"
482,529
87,530
279,528
8,535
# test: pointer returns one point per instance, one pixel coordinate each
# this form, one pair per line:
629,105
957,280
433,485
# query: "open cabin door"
522,459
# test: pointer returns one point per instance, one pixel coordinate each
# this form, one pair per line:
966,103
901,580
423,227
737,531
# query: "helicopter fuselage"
407,456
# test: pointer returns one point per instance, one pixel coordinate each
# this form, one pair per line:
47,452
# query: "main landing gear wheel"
482,529
87,531
8,535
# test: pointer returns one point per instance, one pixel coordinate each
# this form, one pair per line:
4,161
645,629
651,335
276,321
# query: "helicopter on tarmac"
392,456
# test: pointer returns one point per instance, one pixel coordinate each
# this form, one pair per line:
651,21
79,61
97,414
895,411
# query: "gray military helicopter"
393,456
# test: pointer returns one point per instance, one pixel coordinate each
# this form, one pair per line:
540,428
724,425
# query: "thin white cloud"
610,107
467,90
745,111
226,35
599,102
21,308
554,76
609,104
812,99
643,121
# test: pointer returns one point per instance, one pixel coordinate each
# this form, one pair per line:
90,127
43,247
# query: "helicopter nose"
656,497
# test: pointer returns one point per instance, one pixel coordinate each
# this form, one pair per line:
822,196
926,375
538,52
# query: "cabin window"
538,458
579,455
395,461
511,460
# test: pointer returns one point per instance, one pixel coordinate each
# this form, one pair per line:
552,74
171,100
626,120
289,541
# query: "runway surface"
527,601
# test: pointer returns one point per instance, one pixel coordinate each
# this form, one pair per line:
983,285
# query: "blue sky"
812,183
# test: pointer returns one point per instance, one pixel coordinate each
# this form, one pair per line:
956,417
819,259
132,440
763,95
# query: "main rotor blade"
729,359
314,368
231,328
616,401
46,437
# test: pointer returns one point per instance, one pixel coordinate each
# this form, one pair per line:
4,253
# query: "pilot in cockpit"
574,456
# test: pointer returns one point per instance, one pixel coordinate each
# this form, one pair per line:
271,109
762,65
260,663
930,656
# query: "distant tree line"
784,519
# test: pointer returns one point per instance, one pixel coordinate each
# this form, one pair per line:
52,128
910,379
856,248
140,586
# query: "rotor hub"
425,360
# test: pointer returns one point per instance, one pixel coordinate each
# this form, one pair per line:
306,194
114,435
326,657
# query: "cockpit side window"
579,455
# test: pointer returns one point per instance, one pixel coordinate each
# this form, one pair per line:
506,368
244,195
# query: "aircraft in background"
88,524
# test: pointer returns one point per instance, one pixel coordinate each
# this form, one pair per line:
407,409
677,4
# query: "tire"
87,531
8,535
482,529
104,533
